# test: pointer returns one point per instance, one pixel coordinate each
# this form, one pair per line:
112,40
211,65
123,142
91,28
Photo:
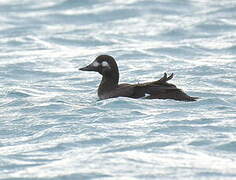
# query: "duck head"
105,65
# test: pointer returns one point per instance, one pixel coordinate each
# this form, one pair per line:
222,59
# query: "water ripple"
52,125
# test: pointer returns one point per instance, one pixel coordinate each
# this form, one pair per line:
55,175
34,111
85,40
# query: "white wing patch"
105,64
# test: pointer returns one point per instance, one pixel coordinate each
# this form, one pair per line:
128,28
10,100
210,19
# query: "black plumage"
109,87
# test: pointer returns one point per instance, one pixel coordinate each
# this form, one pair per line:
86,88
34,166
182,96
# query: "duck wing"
160,89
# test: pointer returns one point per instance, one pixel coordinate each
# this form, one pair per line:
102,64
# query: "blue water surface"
52,125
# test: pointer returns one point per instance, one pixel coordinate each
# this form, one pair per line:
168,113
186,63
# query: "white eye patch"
105,64
96,64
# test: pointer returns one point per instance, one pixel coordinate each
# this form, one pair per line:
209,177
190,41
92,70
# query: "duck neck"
108,83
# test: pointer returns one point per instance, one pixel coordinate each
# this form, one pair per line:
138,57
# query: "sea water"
52,124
